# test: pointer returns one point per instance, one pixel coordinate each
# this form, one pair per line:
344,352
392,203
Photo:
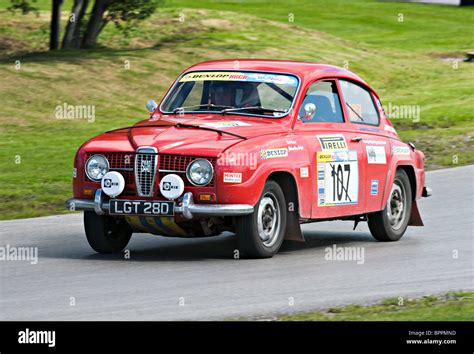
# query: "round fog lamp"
171,186
112,184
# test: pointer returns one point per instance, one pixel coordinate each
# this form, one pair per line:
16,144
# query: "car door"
335,157
364,118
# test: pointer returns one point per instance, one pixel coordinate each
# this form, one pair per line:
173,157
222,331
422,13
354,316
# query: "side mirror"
309,110
151,105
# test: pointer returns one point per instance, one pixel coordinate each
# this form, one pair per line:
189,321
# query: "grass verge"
453,306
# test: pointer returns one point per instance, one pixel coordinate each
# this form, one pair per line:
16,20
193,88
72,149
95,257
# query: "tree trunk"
95,24
77,40
55,25
73,29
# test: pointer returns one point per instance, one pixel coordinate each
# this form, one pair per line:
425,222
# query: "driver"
222,94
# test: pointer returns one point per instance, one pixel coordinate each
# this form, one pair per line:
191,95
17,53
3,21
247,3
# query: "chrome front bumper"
187,207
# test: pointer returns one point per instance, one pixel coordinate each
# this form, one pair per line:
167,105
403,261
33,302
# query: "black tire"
388,224
106,234
248,228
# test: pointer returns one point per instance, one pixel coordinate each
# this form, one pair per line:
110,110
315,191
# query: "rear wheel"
391,223
106,234
261,233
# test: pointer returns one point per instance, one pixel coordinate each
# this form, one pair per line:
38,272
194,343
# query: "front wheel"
391,223
106,234
261,233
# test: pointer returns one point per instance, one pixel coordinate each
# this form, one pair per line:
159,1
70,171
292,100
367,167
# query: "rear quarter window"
359,103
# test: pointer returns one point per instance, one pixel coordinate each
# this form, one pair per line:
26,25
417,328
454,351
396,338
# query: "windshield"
254,93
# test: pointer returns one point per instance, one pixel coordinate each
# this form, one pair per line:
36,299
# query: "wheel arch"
287,182
415,217
410,171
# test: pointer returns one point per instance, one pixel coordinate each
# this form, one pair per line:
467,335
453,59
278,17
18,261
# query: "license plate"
141,207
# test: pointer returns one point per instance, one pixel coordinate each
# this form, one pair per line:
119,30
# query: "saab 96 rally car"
254,147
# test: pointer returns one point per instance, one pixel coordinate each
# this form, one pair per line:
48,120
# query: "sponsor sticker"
401,150
227,124
295,148
232,177
273,153
332,142
374,187
239,76
338,178
374,142
304,172
390,129
376,155
368,129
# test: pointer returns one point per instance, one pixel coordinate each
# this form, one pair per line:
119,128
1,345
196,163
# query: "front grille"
140,183
145,171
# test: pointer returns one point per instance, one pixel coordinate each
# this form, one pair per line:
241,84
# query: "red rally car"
254,147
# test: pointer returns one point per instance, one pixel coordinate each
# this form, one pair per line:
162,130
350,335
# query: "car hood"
158,133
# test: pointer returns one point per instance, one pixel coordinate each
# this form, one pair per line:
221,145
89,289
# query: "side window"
359,103
321,104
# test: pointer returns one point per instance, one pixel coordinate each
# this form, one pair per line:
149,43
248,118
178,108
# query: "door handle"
356,139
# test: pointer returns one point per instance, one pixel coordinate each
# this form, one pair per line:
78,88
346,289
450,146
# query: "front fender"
252,169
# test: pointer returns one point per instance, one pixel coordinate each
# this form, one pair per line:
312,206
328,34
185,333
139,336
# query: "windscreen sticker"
338,178
227,124
332,142
376,155
239,76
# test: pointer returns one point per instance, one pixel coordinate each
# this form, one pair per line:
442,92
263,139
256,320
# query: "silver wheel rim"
268,219
396,205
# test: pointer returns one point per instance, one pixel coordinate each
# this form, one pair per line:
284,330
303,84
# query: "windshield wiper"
207,105
184,125
353,110
253,108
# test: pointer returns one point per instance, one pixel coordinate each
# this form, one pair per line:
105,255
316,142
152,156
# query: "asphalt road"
175,279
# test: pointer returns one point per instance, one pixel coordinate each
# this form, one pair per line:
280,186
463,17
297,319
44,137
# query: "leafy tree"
83,27
23,5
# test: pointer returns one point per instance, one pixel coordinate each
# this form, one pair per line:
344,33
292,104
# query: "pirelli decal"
334,142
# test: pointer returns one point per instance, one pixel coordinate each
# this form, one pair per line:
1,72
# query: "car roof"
305,70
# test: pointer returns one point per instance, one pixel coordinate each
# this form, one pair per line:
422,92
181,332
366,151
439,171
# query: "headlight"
96,167
200,172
